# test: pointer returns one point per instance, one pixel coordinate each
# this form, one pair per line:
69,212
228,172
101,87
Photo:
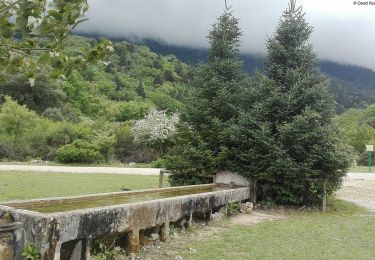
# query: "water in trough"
108,200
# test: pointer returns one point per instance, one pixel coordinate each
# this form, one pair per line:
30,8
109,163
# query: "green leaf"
46,27
55,15
11,68
44,59
56,73
21,23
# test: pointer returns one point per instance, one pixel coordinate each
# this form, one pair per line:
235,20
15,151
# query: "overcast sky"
343,32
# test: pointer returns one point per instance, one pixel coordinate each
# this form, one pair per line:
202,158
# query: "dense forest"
95,106
359,127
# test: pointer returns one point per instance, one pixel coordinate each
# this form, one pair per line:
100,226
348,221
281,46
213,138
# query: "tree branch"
226,6
69,32
9,6
12,48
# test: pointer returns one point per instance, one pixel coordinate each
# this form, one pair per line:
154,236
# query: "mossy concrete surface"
50,232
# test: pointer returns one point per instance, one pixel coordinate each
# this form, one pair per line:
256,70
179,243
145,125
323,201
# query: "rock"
221,214
117,249
178,257
217,216
183,223
6,252
170,253
154,236
192,250
133,256
175,234
247,208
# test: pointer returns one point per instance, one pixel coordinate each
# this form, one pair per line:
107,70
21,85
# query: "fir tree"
213,106
287,138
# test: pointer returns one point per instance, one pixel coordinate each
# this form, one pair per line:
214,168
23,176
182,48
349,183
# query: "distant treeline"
352,86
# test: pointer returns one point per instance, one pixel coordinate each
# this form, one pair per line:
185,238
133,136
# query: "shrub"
128,151
233,208
159,163
105,141
155,129
79,151
16,121
61,134
133,110
84,131
53,113
164,101
31,252
36,144
101,252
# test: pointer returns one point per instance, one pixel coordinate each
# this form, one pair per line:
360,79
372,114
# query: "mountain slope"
352,86
133,81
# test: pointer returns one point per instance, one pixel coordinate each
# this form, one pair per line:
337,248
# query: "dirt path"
360,189
200,231
74,169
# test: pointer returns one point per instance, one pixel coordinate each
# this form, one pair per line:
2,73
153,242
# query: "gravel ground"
359,188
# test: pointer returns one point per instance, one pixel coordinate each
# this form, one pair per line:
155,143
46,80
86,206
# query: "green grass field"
52,163
344,232
28,185
361,169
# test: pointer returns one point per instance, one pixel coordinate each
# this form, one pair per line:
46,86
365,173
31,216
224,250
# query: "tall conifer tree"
287,139
213,106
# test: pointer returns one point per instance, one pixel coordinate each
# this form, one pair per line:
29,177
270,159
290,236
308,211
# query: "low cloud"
343,32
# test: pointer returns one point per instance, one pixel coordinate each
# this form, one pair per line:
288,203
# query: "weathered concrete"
229,178
9,237
133,241
6,245
50,232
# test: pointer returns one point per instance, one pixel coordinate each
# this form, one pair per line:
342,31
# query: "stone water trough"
66,227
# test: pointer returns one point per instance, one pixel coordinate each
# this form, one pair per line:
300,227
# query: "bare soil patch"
180,239
254,218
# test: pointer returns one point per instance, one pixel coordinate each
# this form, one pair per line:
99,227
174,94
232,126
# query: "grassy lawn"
28,185
362,169
51,163
345,232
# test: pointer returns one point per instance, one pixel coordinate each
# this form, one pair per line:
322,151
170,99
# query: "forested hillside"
98,104
359,127
352,86
95,105
132,81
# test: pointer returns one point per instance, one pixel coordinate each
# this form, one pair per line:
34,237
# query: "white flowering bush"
155,129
